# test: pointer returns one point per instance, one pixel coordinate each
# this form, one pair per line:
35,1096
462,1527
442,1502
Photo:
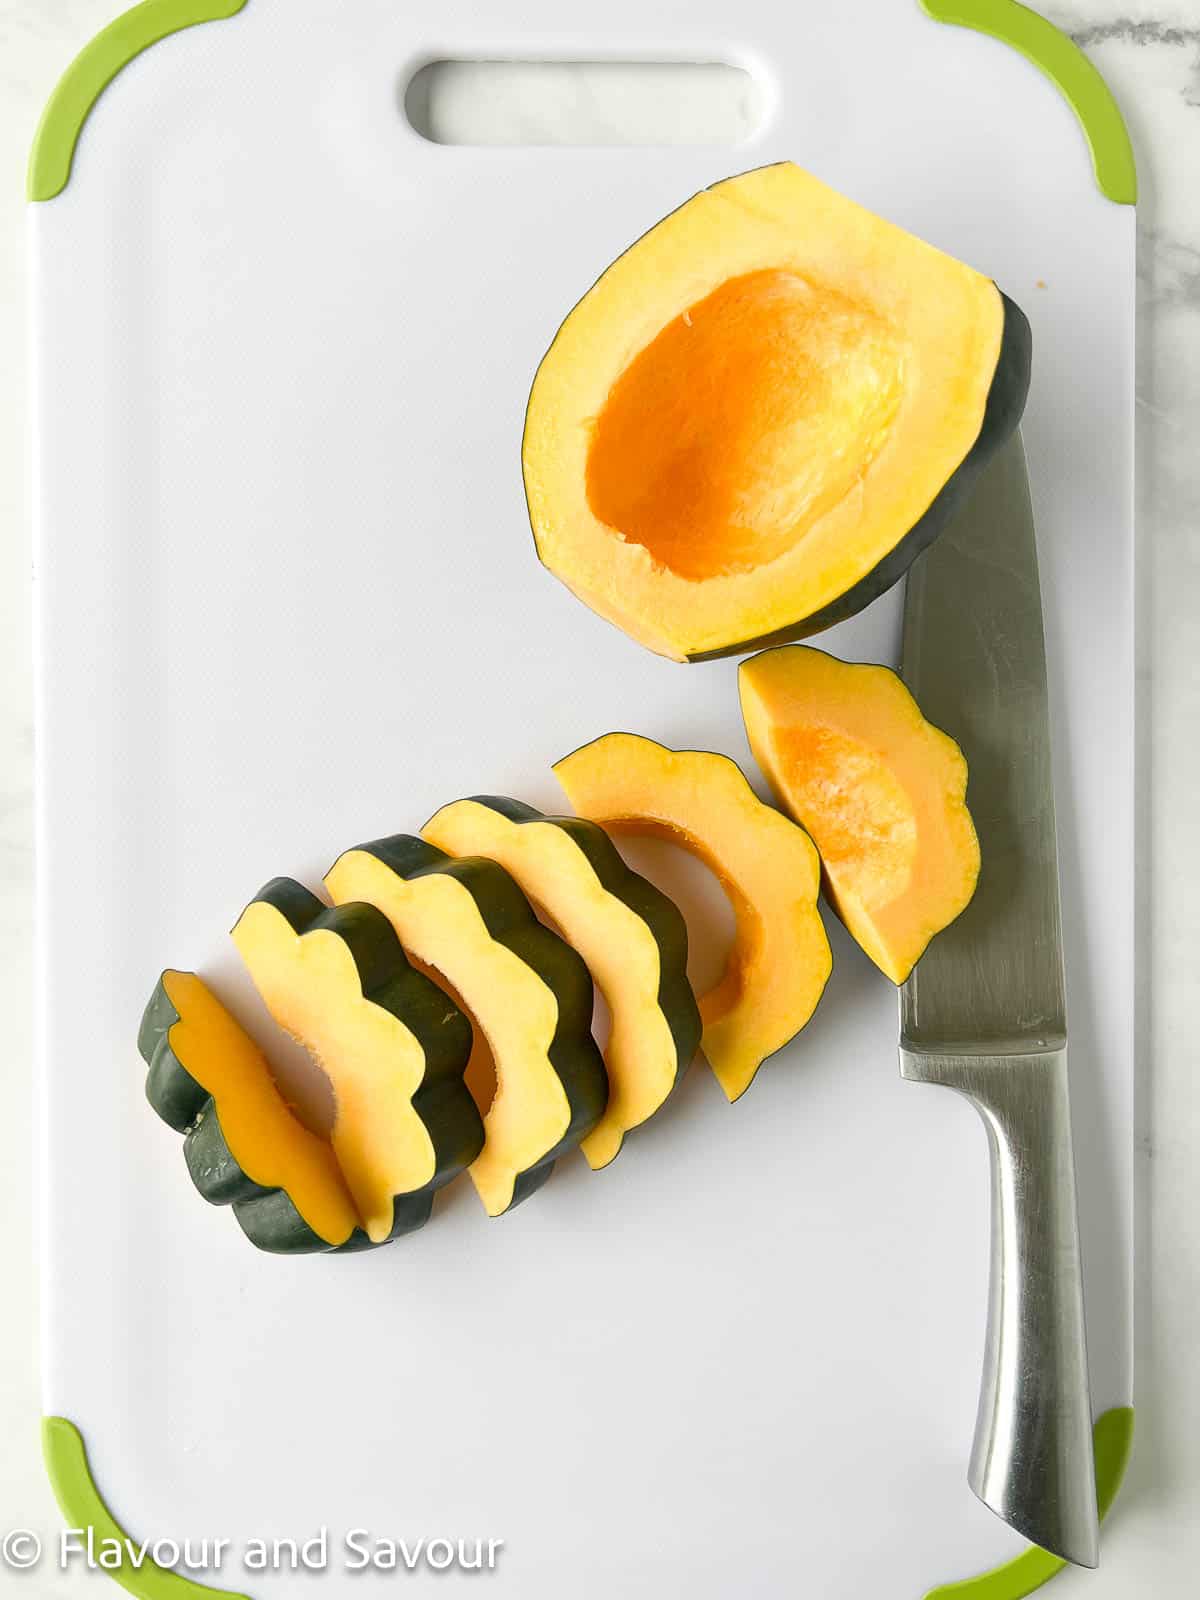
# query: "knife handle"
1032,1458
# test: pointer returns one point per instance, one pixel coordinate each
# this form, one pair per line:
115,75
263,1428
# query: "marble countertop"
1150,54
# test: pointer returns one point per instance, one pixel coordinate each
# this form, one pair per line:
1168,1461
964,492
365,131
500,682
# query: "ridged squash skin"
631,935
528,992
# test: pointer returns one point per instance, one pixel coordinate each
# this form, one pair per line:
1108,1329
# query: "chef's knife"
984,1011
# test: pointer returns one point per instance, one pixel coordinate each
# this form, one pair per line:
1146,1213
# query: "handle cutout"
584,103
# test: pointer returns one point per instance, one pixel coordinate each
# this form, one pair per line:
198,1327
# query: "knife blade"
984,1011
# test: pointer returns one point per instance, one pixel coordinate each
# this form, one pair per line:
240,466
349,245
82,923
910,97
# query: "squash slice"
780,960
245,1147
881,791
761,413
527,990
393,1045
631,936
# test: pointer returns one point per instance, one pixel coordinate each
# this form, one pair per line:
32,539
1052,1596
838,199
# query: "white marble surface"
1151,56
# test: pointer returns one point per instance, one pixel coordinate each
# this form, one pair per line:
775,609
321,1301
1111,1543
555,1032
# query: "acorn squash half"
880,789
245,1147
632,937
761,413
780,960
526,989
393,1045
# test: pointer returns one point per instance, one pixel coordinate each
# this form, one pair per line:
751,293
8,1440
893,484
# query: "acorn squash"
245,1147
881,791
393,1045
780,960
761,413
632,937
527,990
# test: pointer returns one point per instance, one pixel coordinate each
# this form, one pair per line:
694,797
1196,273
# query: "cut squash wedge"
761,413
526,989
780,960
632,937
881,791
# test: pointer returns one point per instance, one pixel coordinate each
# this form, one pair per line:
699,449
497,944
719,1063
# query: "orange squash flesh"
770,399
881,791
780,960
265,1138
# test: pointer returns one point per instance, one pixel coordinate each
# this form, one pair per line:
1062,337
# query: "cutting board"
288,600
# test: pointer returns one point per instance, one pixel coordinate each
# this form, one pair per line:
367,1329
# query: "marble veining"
1126,29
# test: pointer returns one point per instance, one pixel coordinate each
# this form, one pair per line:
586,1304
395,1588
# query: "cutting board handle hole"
584,103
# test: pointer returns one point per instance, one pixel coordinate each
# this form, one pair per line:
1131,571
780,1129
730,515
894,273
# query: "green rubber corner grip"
1112,1437
93,69
80,1502
1064,63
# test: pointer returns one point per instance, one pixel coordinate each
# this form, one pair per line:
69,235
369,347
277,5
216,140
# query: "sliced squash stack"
447,999
447,994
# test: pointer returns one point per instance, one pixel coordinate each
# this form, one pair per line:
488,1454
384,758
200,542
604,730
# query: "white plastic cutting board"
289,601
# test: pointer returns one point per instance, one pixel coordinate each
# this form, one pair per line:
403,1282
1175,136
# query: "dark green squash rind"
1002,414
389,980
173,1093
511,921
272,1223
212,1166
159,1017
676,998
